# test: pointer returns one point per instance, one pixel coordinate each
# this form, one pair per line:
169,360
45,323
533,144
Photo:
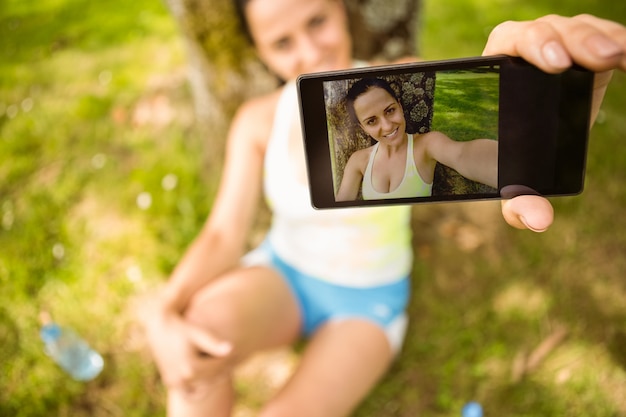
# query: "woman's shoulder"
255,117
433,135
361,157
426,135
261,107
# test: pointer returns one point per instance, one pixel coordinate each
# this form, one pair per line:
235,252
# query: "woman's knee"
252,308
216,313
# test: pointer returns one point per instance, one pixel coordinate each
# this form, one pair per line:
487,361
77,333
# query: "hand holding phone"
444,131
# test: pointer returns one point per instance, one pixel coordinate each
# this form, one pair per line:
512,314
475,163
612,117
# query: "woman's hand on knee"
183,352
195,356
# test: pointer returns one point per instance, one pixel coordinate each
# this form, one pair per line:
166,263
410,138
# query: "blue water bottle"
70,351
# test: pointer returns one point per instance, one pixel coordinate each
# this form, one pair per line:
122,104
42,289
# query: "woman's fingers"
207,343
553,42
537,42
528,212
193,354
608,47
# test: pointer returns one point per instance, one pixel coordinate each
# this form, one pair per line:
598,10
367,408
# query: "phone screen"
475,128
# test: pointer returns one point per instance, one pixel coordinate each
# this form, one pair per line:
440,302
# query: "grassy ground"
102,186
466,105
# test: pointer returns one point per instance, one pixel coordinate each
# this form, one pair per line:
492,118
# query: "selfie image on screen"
414,135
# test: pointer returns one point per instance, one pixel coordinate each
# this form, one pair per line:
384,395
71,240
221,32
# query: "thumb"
206,342
528,212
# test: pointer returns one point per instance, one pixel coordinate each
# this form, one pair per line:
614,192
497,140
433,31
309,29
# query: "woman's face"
380,115
294,37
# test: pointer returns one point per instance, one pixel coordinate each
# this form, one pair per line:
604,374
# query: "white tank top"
359,247
412,184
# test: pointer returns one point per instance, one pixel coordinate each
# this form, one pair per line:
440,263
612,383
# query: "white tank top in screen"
412,184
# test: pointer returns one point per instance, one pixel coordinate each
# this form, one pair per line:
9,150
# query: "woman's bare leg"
253,309
342,363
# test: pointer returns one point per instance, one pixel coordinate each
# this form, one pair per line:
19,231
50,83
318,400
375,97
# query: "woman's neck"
390,150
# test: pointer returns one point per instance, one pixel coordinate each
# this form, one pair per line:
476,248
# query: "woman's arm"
221,242
352,176
175,342
476,160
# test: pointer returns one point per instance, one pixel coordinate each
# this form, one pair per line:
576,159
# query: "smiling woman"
399,164
414,91
337,278
274,296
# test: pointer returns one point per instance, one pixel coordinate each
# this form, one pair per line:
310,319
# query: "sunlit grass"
466,106
75,157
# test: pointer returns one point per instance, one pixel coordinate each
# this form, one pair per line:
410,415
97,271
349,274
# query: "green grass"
75,157
466,105
73,162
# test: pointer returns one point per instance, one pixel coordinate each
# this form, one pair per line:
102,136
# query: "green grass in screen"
466,105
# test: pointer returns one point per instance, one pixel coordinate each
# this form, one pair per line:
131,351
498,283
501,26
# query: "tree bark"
222,68
385,30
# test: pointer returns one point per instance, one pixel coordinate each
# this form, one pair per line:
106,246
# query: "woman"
216,310
401,165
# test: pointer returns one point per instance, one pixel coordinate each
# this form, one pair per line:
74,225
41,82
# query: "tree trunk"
222,68
384,29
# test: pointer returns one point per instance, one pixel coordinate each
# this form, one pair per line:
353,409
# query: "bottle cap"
45,317
472,409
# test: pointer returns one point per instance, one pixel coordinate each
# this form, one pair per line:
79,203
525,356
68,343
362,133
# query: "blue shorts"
321,301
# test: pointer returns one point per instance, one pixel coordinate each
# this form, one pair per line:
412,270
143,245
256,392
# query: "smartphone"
525,129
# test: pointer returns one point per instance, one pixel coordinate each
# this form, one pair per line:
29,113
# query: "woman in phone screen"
402,165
